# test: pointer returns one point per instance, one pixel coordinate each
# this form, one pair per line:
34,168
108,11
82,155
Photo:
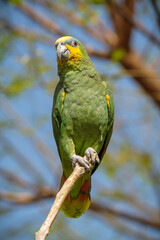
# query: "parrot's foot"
92,154
83,162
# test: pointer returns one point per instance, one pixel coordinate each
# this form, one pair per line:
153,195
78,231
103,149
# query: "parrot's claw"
92,154
83,162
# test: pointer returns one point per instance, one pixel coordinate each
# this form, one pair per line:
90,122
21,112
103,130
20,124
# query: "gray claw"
83,162
92,154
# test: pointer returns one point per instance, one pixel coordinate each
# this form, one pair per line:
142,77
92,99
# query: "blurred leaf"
118,54
5,44
18,85
5,124
16,2
5,210
95,1
40,121
127,157
50,85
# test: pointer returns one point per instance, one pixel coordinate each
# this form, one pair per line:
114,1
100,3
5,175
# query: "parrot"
82,119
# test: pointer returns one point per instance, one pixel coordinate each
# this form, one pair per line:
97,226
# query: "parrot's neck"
75,75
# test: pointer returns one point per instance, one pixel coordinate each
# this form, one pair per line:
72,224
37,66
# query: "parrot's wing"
56,112
110,107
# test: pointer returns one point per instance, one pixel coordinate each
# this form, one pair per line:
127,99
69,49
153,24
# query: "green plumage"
83,112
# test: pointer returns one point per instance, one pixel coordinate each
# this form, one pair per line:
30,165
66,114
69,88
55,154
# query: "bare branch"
40,18
104,210
123,28
156,9
27,197
60,198
108,36
149,79
14,179
27,33
127,16
44,192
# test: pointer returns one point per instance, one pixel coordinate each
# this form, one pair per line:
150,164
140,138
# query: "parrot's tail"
74,208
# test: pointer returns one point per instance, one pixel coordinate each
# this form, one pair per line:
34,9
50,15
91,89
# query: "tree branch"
45,192
40,18
29,34
123,28
126,15
148,80
105,210
108,36
60,198
156,9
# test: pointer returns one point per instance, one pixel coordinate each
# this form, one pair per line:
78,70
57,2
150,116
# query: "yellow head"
69,49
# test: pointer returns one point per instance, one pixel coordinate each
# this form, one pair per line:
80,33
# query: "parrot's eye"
74,44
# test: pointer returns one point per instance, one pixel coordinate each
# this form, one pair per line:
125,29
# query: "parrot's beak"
62,51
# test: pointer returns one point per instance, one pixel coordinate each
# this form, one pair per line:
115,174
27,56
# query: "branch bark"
141,28
60,198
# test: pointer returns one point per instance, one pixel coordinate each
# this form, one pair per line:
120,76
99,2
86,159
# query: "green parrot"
82,118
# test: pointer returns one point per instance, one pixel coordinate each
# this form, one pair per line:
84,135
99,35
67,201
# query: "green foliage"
18,85
15,2
127,158
98,2
5,44
5,124
37,65
41,120
118,54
